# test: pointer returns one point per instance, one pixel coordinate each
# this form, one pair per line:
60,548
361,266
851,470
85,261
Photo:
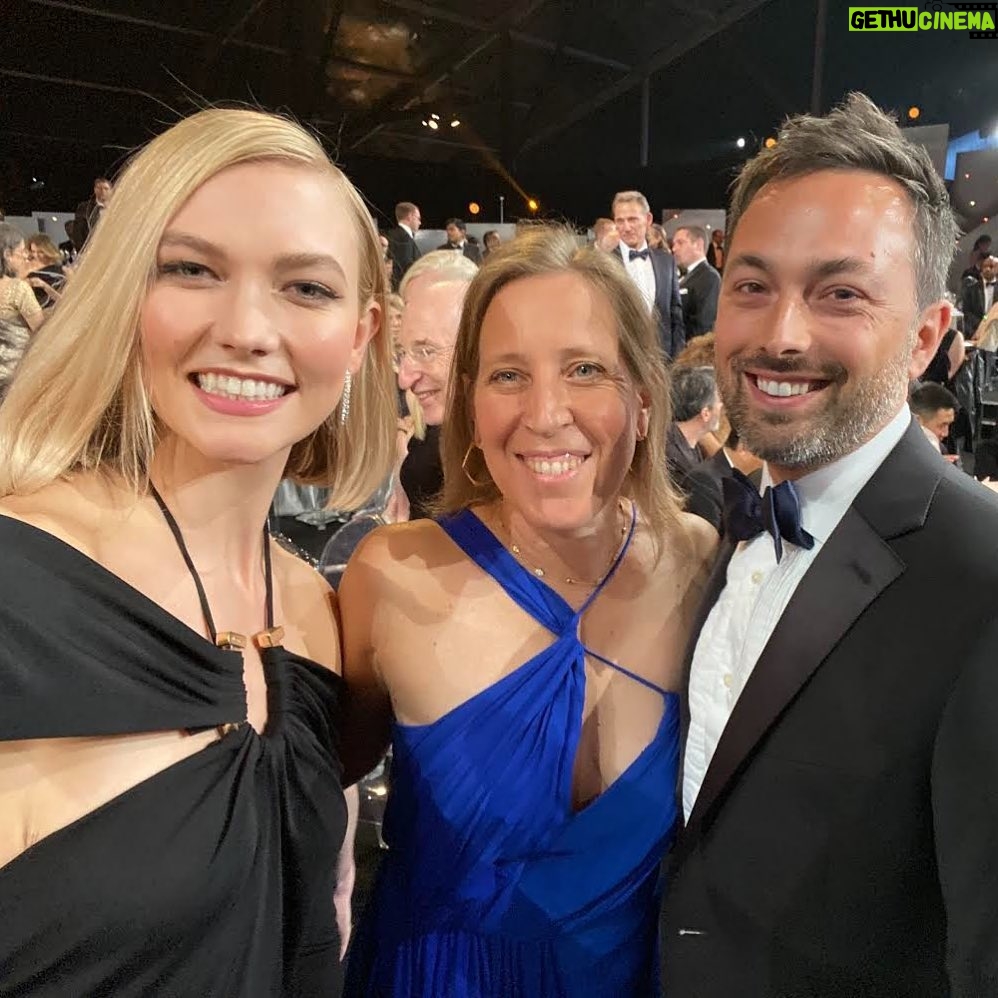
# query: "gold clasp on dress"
230,640
269,638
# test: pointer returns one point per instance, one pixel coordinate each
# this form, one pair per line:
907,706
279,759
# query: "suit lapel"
854,566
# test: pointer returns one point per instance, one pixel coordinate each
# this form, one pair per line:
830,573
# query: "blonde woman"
170,803
525,652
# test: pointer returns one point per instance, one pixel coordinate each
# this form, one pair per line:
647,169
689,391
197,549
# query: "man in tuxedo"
457,239
402,240
89,212
652,270
700,285
703,484
978,294
840,772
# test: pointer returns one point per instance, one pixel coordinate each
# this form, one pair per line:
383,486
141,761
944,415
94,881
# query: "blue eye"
184,268
312,291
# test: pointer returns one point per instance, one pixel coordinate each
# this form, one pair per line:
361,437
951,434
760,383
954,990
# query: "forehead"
534,316
271,208
833,214
624,209
432,311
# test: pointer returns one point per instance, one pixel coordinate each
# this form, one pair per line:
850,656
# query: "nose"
408,373
789,328
547,406
249,322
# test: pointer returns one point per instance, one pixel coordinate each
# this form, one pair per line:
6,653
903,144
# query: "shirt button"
756,577
727,680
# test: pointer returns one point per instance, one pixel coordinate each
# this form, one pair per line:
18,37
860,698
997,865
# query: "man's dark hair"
980,242
693,389
928,399
857,135
457,222
697,233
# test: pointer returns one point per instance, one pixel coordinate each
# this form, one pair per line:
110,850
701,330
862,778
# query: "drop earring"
345,398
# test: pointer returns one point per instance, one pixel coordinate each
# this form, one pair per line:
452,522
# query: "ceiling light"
914,112
455,122
424,123
435,117
770,142
740,142
432,123
973,204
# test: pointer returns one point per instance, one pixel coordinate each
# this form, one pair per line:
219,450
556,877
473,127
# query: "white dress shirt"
402,225
757,592
641,273
989,296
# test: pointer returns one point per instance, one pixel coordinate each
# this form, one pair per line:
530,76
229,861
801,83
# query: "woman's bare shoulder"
62,510
703,538
401,547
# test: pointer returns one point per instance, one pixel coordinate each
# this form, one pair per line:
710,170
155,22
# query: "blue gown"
493,886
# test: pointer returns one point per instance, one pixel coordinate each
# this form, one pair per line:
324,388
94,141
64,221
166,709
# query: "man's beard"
852,411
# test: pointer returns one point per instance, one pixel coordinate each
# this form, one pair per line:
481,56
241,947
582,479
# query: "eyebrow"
817,269
287,261
513,357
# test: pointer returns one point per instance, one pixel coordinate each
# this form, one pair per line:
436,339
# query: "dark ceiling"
551,96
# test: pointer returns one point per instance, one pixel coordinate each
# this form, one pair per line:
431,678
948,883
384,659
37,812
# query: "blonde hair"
440,265
42,245
551,250
79,402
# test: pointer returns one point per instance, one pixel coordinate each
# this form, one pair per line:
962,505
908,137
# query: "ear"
368,326
932,326
644,415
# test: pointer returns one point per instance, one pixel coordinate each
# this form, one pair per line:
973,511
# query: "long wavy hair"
79,402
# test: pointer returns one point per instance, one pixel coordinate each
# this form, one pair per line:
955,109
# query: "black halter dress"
214,877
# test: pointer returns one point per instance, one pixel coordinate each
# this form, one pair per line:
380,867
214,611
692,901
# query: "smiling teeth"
553,466
783,389
245,389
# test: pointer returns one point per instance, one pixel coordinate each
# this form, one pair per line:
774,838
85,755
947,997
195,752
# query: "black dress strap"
202,596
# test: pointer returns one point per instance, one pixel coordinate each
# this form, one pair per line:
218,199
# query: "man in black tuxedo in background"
457,239
840,772
89,212
700,285
977,294
703,484
402,240
652,270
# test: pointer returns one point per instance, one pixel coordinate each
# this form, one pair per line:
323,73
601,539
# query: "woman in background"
170,802
20,313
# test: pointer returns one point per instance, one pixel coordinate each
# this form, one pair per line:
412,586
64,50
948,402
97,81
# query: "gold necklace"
541,573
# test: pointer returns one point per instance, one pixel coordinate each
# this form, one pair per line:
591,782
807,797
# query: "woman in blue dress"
524,652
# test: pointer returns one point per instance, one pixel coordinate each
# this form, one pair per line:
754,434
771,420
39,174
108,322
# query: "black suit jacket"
698,292
703,489
471,251
844,843
668,310
404,252
972,299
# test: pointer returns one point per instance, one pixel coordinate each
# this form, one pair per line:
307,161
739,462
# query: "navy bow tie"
638,255
747,514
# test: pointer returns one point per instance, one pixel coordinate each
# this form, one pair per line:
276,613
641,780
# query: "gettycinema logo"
979,20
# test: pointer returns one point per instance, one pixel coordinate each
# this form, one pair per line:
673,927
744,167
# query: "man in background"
700,284
652,270
402,240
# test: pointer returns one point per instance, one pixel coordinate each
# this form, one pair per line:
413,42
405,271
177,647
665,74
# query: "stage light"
474,208
914,112
740,142
770,142
973,204
532,204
